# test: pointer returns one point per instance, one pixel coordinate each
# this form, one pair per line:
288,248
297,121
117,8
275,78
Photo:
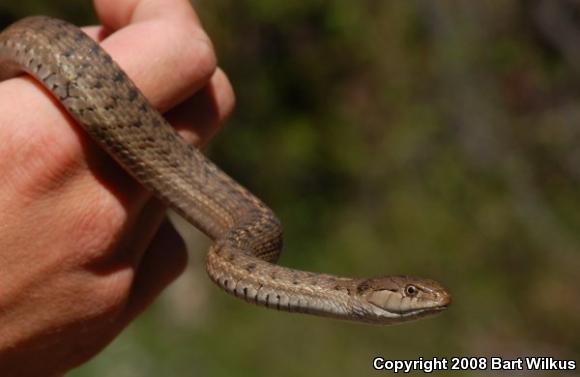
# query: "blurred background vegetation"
434,138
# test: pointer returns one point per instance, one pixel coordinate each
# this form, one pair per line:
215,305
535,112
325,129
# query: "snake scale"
247,235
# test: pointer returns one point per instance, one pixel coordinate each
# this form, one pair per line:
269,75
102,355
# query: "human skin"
83,248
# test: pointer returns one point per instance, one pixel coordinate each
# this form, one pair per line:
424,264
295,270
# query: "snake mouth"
427,311
385,317
423,312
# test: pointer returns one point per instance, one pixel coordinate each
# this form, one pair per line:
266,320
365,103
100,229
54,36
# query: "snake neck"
259,282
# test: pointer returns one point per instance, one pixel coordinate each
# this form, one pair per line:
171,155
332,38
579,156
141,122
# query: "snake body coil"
247,235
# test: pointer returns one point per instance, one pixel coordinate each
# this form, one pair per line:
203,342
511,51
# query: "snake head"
402,298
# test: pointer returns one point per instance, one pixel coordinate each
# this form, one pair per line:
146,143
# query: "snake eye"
411,290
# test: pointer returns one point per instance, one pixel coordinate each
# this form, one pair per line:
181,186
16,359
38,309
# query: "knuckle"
198,58
44,160
101,296
110,293
96,225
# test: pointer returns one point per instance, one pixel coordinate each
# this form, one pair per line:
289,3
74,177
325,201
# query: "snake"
246,234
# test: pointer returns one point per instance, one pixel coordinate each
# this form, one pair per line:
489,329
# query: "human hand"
83,248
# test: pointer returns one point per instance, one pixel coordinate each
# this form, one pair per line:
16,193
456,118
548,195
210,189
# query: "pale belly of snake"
247,235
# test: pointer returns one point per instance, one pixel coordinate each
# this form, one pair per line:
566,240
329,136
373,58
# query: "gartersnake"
247,235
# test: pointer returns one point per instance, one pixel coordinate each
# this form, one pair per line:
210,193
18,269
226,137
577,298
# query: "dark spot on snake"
251,267
231,257
246,292
118,77
226,282
44,79
295,282
256,298
67,53
132,94
66,92
79,35
363,286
